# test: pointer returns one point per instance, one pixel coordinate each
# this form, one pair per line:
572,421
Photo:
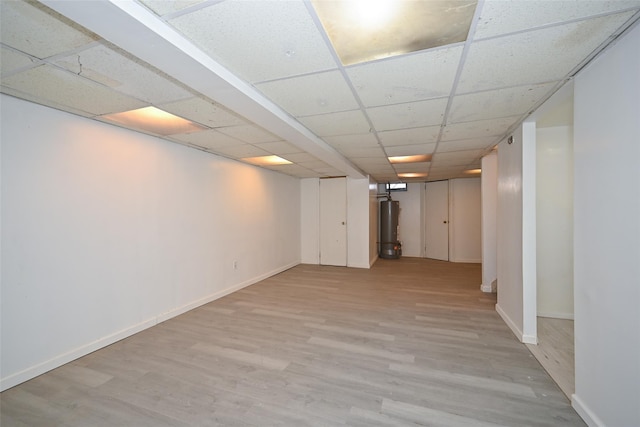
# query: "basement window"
396,186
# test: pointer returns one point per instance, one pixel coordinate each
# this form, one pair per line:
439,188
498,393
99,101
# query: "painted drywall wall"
107,232
516,233
358,223
373,221
606,235
529,224
509,232
410,219
554,230
310,221
465,215
489,194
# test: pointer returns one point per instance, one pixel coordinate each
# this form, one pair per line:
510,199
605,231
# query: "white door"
436,230
333,221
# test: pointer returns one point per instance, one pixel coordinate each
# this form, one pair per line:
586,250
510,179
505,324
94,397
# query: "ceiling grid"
263,78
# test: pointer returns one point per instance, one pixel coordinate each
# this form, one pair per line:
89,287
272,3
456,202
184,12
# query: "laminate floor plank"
408,342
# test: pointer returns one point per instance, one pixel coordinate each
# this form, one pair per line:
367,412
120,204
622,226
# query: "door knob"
444,222
342,222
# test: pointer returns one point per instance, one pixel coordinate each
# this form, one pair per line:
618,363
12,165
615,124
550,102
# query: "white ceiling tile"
314,164
278,147
362,151
291,169
478,129
259,40
124,73
37,30
467,155
166,7
241,151
466,144
409,136
52,84
502,17
11,60
536,56
410,150
48,102
300,158
410,115
344,123
361,140
407,78
329,171
496,103
204,112
249,133
208,139
412,167
312,94
370,161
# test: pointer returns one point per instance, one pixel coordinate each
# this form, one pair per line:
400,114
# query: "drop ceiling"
262,77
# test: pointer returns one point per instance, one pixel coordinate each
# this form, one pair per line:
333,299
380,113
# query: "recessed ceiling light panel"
266,160
473,171
417,158
364,30
412,175
154,120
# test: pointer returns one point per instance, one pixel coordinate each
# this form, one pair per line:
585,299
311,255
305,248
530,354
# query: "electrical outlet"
235,265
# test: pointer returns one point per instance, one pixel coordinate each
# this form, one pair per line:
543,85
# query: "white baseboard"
39,369
490,288
585,413
566,316
55,362
527,339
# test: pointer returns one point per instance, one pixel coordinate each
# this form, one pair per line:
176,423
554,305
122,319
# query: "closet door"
333,221
437,220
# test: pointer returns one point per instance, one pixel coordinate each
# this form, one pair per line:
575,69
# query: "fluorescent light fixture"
154,120
473,171
413,175
418,158
365,30
266,161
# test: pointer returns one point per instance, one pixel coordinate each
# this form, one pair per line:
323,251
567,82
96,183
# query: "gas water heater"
390,246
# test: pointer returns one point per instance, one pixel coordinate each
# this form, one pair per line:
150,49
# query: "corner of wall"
526,339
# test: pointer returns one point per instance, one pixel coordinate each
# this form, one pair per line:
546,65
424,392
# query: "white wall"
410,219
310,221
358,222
516,228
374,212
606,236
107,232
465,219
489,190
509,232
554,230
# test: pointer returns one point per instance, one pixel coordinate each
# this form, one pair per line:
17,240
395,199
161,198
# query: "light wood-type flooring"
409,342
555,351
